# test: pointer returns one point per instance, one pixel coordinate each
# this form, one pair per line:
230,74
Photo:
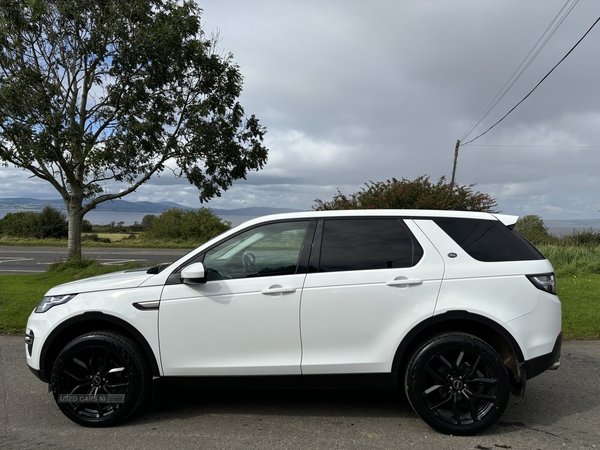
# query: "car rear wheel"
457,384
99,379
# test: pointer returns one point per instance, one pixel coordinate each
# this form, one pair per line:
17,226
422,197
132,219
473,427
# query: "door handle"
278,290
404,282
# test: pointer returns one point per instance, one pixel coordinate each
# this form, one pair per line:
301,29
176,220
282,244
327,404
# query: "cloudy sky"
358,90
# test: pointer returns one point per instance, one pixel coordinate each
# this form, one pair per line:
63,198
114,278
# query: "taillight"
545,282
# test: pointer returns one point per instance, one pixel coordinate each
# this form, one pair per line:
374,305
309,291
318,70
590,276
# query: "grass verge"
580,297
569,261
117,240
19,294
578,290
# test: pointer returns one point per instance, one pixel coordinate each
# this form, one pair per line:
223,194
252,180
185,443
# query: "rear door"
370,281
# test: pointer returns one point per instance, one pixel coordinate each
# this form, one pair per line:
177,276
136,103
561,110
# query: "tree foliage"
411,194
97,96
195,225
49,223
147,220
86,226
533,228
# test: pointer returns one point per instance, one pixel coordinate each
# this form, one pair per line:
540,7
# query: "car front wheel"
457,384
99,379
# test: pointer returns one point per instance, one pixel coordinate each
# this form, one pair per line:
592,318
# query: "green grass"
578,283
577,268
19,294
117,241
580,297
569,261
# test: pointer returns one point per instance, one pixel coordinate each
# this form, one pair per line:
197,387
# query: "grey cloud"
352,91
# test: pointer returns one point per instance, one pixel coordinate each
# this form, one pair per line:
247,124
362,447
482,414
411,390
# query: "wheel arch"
479,326
89,322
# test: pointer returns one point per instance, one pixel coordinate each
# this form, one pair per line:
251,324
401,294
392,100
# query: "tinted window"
489,240
365,244
272,249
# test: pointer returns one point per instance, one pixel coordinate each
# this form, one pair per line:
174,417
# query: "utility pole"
455,161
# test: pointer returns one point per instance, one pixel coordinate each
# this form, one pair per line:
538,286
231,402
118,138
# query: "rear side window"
367,244
489,240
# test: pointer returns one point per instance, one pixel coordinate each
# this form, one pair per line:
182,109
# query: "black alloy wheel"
457,384
99,379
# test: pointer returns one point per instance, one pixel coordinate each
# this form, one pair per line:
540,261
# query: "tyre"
99,379
457,384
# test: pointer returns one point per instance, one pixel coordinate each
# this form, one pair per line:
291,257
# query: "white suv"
453,307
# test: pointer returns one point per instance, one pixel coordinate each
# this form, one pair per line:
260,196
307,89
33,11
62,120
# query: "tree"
52,224
193,225
97,96
411,194
533,228
19,224
49,223
147,220
86,226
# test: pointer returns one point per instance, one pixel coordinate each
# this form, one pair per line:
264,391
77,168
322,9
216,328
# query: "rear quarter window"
489,240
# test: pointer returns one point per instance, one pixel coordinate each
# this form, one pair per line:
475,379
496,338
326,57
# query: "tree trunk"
75,215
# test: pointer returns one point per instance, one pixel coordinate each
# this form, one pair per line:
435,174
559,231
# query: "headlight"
52,300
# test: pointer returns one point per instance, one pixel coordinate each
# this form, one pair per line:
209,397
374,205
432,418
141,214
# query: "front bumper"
29,341
40,374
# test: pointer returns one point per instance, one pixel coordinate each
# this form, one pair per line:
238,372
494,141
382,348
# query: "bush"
86,226
569,260
94,238
406,194
52,224
116,227
147,220
136,226
19,224
533,228
196,226
581,238
49,223
73,264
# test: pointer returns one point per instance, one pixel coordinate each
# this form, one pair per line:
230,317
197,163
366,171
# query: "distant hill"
253,211
32,204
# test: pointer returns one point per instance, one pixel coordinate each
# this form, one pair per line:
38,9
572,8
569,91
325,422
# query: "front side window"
267,250
366,244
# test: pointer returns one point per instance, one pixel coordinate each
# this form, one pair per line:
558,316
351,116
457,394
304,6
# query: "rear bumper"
549,361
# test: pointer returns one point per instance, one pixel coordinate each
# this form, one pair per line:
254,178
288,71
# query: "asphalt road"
37,259
560,411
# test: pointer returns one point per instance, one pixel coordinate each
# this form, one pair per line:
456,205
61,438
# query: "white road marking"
21,271
119,262
2,260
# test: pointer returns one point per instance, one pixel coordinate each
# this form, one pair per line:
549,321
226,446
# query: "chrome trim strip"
145,306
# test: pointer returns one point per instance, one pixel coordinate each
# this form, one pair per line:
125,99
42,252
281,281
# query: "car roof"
406,213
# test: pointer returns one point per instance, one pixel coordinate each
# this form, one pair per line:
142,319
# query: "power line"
532,146
533,53
537,85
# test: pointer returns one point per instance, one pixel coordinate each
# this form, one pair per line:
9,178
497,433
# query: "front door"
245,319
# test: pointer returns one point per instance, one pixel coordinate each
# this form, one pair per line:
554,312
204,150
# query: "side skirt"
337,381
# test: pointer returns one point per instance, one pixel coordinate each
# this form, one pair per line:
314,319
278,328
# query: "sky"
352,91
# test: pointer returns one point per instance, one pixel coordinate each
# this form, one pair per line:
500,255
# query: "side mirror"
194,274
